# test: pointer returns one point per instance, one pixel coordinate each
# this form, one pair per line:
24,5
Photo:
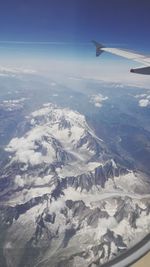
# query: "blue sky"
63,29
125,23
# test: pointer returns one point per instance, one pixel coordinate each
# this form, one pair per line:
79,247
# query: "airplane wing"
126,54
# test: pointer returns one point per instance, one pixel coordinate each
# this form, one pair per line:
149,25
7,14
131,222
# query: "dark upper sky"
122,22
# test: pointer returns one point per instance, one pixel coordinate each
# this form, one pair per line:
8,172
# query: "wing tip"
99,47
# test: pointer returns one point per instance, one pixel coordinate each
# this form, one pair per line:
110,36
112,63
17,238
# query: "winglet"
141,70
99,47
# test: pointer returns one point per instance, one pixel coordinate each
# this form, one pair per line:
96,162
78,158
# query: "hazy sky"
63,29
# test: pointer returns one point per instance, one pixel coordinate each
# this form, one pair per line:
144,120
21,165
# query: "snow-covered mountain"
65,201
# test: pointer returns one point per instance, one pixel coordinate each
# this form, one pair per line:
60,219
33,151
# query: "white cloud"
14,101
140,95
97,100
144,102
11,71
